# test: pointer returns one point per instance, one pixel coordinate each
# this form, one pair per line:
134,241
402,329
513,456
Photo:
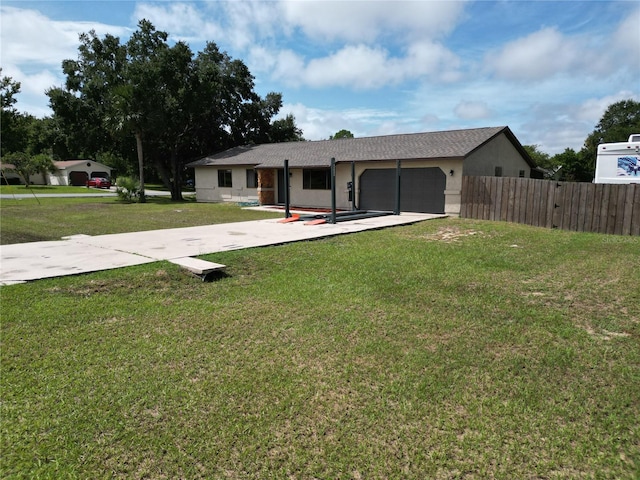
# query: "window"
316,179
224,178
521,174
252,178
498,172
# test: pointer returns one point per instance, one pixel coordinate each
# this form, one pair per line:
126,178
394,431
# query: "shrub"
128,189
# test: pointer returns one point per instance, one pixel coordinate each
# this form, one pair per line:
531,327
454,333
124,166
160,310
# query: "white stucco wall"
207,189
91,168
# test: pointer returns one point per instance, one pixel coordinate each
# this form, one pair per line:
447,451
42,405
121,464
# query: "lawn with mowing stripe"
446,349
31,220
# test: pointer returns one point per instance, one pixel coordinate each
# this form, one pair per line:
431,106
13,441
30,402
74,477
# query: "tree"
43,164
574,168
285,130
26,165
175,105
620,120
11,122
341,134
543,160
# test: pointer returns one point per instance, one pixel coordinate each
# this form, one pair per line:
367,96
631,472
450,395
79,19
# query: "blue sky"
547,69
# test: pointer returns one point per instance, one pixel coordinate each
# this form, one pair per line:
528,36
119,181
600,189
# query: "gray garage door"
421,189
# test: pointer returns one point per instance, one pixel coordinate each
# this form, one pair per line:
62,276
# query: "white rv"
619,162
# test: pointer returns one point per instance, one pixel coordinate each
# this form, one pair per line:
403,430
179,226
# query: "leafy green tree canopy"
543,160
26,165
341,134
12,128
620,120
175,105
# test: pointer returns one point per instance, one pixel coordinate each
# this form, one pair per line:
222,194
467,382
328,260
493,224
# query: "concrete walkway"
81,253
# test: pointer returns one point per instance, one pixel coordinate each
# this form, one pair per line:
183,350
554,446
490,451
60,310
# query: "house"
69,172
77,172
431,168
9,175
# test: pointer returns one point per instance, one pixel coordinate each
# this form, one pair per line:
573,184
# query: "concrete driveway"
81,253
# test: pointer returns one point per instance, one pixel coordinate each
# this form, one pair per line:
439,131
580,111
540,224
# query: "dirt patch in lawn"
452,234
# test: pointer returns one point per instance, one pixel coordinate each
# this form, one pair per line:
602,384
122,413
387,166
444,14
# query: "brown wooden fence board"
584,211
635,215
504,203
613,209
595,217
551,190
620,210
628,208
582,207
604,210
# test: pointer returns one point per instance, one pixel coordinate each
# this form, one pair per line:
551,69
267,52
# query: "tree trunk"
176,181
140,165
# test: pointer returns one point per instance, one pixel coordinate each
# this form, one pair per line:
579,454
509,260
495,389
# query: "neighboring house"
432,166
77,172
11,177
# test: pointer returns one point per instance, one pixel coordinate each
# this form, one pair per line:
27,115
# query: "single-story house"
69,172
431,168
77,172
9,175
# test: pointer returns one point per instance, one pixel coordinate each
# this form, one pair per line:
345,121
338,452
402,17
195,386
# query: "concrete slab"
197,265
81,254
31,261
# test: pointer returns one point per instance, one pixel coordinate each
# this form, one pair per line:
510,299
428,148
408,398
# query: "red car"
99,182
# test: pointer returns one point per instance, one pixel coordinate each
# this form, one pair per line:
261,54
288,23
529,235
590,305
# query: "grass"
40,189
27,220
446,349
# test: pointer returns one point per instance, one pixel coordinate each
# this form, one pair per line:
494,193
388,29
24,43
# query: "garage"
78,179
421,189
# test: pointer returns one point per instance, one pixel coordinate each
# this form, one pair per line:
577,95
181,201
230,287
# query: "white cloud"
472,110
33,47
30,37
320,124
626,41
535,56
247,21
592,109
432,60
548,52
366,21
358,67
183,21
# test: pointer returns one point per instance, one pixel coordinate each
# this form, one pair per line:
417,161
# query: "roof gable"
64,164
413,146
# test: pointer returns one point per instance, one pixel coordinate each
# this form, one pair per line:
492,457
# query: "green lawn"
48,189
446,349
26,220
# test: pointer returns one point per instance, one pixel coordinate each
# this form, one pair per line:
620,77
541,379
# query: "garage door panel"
78,178
421,189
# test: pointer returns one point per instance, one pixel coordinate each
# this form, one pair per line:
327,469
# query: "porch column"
266,182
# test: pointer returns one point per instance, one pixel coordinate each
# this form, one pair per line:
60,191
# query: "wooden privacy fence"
581,207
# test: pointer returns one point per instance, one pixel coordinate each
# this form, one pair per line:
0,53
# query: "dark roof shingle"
413,146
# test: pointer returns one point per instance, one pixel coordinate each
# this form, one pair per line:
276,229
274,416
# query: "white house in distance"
432,166
69,172
77,172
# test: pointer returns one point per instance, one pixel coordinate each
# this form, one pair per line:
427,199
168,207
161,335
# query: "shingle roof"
413,146
61,164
